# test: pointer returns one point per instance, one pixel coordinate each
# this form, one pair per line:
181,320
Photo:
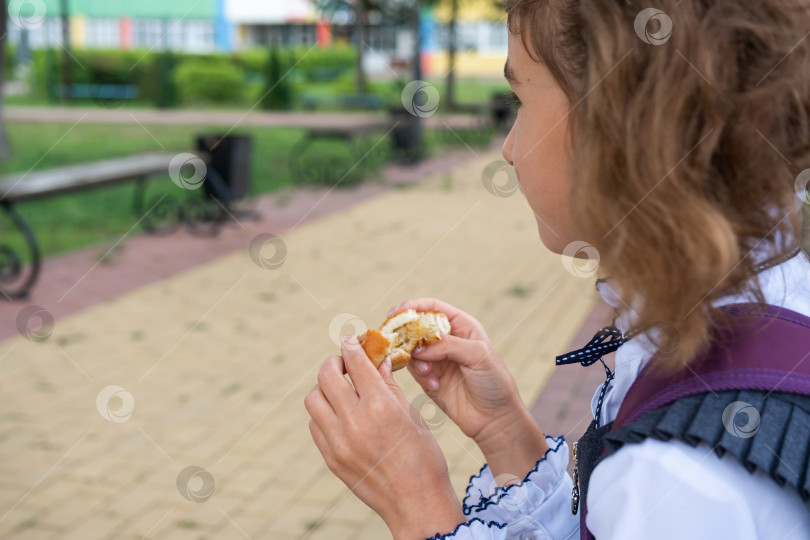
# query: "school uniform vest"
747,397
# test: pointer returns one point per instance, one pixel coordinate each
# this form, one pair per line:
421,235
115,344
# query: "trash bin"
405,137
228,166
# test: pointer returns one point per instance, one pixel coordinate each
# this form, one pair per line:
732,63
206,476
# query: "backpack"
747,396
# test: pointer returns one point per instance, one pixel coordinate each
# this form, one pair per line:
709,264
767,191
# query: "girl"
673,140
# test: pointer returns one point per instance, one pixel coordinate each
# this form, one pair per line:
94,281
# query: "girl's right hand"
464,375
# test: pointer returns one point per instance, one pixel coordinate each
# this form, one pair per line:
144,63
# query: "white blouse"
652,489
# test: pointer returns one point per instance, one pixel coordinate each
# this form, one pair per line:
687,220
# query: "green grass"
102,216
107,213
468,91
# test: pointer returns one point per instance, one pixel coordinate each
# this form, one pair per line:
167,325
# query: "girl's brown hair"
686,146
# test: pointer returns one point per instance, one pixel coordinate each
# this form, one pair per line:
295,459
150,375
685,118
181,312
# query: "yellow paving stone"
373,529
243,526
95,526
226,352
265,505
71,510
326,490
178,532
332,530
136,496
20,516
246,481
198,515
296,519
146,519
350,509
39,533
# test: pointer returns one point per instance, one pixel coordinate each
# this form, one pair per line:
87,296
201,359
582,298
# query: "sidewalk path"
81,279
212,365
125,115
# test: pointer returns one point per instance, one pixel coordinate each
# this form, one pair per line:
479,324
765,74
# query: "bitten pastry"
401,332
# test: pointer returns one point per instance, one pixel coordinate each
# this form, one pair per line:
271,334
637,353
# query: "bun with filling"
401,332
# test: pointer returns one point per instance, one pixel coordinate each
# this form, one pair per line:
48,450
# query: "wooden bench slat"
35,185
349,132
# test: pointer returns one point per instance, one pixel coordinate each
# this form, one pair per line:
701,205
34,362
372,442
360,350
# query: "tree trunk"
362,86
67,78
416,121
5,146
451,57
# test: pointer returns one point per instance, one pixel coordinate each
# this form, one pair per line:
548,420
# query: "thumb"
388,378
387,373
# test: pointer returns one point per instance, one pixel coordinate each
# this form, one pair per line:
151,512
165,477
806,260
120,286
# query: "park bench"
352,101
107,93
496,113
19,188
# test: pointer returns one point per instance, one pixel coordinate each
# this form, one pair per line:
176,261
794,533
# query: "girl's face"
537,145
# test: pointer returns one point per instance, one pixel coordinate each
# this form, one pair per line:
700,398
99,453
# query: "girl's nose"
508,146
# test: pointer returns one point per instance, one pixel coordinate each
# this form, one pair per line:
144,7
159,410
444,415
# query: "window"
381,38
47,35
498,37
103,33
175,34
148,33
283,35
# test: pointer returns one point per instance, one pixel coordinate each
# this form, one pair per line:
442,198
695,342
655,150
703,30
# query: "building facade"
201,26
187,25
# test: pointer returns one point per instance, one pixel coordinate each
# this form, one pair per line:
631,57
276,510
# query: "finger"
427,381
466,352
419,367
318,407
338,391
359,367
432,304
426,304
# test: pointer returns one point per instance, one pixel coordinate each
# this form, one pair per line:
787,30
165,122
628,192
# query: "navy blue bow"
605,341
595,349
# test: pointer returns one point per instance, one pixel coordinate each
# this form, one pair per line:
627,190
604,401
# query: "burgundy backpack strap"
767,350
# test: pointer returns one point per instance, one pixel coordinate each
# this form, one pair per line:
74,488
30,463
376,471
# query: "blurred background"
199,199
133,63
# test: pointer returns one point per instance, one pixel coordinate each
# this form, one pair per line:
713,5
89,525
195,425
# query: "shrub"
200,81
278,91
198,77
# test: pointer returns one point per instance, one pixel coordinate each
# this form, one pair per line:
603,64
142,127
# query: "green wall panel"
146,9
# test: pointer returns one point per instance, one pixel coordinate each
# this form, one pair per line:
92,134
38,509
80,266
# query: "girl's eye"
513,101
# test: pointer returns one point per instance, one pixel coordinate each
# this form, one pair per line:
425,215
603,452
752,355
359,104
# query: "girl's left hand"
379,446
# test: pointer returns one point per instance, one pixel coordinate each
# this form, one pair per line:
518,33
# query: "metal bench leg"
11,265
165,213
204,215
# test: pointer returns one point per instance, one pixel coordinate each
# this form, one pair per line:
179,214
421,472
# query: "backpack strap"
767,350
759,367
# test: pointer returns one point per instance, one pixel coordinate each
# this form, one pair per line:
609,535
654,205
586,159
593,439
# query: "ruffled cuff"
476,528
485,499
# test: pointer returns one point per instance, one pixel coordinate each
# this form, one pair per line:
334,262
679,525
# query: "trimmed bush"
203,81
197,77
